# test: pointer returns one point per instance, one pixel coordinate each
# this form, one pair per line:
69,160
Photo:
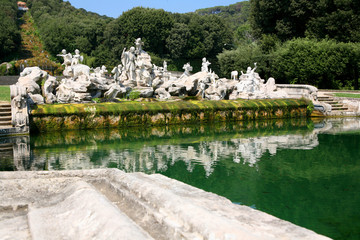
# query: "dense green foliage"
152,25
102,39
208,35
300,41
325,64
64,27
335,19
9,32
236,16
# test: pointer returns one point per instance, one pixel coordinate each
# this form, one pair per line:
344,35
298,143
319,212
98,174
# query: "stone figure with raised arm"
77,58
250,73
67,58
188,68
205,65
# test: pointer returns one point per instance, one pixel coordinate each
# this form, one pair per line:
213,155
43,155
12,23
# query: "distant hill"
53,25
235,14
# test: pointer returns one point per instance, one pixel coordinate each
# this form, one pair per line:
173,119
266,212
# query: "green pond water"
303,171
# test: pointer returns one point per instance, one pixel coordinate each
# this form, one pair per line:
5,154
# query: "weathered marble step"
5,109
5,123
325,98
339,108
5,118
7,113
5,104
111,204
336,105
6,148
82,214
331,102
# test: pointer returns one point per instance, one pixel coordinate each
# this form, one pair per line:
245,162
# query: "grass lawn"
348,95
5,93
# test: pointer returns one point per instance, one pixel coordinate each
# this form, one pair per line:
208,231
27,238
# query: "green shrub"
134,95
325,64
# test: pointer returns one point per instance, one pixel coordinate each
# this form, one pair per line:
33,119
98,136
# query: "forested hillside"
180,37
235,14
9,32
64,27
237,17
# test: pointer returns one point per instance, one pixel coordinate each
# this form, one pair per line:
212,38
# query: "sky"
114,8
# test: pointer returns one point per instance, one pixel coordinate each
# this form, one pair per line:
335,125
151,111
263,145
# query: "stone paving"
111,204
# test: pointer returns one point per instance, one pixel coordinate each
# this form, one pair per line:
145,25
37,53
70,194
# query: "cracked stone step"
339,108
5,109
323,98
8,113
5,118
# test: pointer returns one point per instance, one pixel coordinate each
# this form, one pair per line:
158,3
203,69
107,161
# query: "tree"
9,33
64,27
325,63
208,35
338,19
177,40
245,55
321,19
285,18
152,25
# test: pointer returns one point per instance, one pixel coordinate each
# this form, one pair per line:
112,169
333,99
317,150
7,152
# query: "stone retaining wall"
125,114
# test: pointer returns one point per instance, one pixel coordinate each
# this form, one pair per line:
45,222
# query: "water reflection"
154,150
306,172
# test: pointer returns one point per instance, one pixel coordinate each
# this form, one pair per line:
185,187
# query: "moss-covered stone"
124,114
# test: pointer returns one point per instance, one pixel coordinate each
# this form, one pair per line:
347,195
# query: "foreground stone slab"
111,204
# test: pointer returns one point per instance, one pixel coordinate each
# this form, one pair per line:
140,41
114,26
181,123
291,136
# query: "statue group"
80,83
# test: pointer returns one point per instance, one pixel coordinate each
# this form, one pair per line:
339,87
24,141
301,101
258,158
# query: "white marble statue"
48,90
19,106
103,71
187,69
138,44
67,58
128,60
165,66
31,78
234,75
117,70
205,65
77,58
77,70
